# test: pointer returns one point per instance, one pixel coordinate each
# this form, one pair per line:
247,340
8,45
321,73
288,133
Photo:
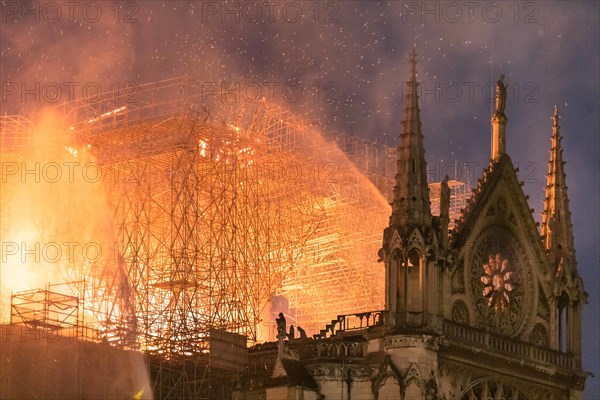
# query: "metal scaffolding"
48,308
377,161
219,208
15,133
460,192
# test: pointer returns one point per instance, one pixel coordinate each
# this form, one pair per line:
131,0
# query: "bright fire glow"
55,226
202,239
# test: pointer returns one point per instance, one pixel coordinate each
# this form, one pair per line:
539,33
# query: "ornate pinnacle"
556,117
411,192
413,65
556,225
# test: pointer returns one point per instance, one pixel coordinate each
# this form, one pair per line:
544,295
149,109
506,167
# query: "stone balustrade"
508,346
352,322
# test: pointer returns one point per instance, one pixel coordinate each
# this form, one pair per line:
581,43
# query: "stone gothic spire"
410,206
557,229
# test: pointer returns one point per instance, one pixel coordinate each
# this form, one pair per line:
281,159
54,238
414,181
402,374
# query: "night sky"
350,61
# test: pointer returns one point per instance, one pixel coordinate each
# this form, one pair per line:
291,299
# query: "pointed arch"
413,383
416,241
413,375
494,388
396,242
387,382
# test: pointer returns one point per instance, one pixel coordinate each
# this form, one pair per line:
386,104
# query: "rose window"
497,282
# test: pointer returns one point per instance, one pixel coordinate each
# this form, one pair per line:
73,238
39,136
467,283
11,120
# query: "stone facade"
490,310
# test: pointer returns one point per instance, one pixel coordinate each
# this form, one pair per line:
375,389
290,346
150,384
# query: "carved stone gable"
502,258
416,241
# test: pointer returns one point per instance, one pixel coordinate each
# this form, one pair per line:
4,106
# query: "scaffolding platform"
15,134
46,308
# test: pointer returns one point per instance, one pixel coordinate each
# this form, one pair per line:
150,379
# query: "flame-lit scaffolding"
15,133
48,308
220,206
377,161
460,192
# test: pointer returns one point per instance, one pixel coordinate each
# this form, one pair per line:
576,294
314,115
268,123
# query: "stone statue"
302,333
445,197
292,333
500,96
280,326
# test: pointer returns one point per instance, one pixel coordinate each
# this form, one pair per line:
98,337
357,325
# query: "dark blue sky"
350,60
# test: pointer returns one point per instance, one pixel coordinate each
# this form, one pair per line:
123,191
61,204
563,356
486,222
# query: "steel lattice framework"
220,206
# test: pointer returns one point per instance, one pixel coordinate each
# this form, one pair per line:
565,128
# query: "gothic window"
501,285
460,312
414,291
498,282
539,335
563,306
